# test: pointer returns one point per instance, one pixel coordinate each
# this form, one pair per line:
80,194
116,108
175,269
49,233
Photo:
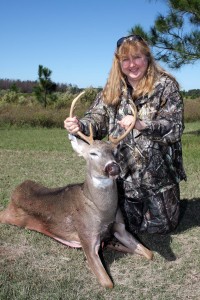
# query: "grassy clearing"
36,267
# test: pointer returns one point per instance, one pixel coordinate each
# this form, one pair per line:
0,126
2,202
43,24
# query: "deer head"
92,150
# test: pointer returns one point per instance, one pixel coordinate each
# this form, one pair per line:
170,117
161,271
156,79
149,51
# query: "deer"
80,215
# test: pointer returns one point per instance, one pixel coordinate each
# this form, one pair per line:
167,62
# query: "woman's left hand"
128,120
140,125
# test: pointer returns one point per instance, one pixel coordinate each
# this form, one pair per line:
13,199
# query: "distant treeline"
192,94
27,86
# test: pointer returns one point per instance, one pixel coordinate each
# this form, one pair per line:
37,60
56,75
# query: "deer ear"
78,145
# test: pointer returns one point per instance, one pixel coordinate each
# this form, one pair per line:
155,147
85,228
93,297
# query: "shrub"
192,110
30,116
10,97
64,100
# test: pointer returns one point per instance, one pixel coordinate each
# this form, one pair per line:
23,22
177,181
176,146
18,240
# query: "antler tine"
121,137
74,104
88,139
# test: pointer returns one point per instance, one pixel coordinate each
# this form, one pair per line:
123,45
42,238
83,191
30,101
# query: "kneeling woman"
150,157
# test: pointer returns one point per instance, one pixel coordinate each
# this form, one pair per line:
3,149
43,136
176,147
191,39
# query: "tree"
14,88
175,38
45,86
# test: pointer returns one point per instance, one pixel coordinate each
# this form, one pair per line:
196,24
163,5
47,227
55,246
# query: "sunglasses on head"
132,37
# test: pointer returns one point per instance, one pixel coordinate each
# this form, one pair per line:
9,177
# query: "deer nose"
112,169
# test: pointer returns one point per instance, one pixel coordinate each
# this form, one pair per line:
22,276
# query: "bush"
64,100
10,97
192,110
15,115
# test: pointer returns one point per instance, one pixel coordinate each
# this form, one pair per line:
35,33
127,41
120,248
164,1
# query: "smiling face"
133,62
134,67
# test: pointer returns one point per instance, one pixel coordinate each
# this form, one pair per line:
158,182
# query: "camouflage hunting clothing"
150,159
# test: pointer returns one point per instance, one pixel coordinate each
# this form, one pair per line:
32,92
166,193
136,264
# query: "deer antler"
88,139
121,137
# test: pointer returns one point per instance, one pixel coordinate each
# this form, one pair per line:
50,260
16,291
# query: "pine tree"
45,85
175,37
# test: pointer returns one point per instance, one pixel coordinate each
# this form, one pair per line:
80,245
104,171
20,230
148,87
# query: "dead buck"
78,215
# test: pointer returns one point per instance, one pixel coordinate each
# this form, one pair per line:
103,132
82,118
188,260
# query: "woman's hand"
72,125
128,120
139,125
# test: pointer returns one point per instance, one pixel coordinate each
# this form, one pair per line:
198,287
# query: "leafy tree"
175,37
45,86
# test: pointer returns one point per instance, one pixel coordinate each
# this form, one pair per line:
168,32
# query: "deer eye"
93,154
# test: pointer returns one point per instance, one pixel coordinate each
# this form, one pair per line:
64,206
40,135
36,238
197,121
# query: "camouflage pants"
158,213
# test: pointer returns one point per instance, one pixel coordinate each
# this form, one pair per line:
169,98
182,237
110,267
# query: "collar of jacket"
127,93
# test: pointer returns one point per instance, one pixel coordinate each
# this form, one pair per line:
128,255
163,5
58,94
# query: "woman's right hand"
72,125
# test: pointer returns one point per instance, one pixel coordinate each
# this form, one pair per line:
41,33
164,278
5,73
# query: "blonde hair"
116,79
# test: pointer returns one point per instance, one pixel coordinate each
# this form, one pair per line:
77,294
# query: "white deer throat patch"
102,183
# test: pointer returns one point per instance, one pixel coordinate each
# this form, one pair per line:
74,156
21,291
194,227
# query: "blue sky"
75,39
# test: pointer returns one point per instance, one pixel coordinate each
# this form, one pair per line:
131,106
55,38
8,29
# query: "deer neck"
102,191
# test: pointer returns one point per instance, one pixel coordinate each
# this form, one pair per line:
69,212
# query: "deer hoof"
143,251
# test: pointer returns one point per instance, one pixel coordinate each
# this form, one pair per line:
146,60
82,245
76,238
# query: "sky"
75,39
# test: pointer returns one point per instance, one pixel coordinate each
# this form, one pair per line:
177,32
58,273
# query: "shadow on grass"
189,218
189,214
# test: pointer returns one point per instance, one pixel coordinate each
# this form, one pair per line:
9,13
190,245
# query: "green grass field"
33,266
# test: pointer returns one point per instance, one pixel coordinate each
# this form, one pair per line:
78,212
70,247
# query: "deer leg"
91,250
117,246
14,215
127,239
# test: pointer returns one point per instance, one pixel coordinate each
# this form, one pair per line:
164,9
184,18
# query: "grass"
34,266
192,109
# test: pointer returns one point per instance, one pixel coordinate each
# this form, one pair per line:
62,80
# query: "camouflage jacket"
150,159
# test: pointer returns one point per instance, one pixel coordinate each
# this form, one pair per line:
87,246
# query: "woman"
150,157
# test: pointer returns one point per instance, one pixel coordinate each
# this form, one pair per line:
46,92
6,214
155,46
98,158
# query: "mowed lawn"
33,266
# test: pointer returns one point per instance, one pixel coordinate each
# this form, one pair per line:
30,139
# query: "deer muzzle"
112,169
